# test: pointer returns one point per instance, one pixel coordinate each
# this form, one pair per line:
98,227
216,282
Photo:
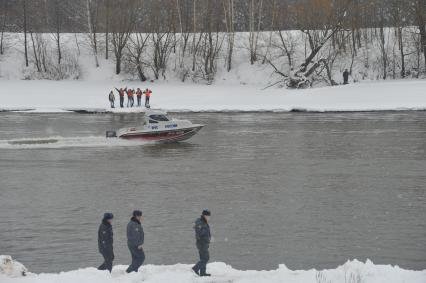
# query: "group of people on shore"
122,92
136,239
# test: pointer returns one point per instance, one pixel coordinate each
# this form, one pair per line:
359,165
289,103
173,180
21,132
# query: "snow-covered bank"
352,272
58,96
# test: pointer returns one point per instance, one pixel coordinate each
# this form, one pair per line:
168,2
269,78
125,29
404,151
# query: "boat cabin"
155,117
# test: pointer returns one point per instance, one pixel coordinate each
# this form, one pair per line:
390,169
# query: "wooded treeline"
180,15
202,31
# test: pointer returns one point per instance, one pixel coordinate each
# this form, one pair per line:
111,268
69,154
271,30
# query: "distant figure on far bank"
346,77
135,241
147,94
105,241
111,98
202,237
139,96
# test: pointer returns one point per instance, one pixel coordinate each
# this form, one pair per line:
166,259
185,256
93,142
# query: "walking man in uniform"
135,240
105,240
202,237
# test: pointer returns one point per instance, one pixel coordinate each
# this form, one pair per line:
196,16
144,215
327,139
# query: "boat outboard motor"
111,134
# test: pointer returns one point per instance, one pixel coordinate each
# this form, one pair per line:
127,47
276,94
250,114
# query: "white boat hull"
175,135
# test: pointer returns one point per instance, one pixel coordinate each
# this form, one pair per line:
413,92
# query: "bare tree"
92,8
272,28
57,12
254,29
162,43
39,46
107,16
195,42
24,6
228,7
332,19
122,28
5,8
286,46
382,43
398,22
135,49
420,15
212,41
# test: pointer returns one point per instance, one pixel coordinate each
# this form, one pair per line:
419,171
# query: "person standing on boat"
105,241
147,93
111,98
121,92
135,241
202,237
139,96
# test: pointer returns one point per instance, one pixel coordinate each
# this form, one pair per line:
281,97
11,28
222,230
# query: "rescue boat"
158,127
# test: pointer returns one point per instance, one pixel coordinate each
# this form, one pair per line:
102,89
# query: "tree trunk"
36,59
5,9
194,52
401,49
58,30
25,33
118,64
107,29
384,55
92,33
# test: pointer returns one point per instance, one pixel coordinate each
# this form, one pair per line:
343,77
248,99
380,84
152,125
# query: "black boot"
196,270
205,274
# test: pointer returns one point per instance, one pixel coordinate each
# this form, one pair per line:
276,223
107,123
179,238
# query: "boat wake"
66,142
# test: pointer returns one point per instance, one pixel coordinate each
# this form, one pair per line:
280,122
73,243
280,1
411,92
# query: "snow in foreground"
58,96
351,272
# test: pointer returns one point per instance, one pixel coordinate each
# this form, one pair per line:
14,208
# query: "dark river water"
306,190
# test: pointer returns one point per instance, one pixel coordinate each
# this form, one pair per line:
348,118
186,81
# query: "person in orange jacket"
130,99
147,93
139,96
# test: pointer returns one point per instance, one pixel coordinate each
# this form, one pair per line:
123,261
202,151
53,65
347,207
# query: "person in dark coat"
111,98
346,77
202,237
105,241
135,241
121,92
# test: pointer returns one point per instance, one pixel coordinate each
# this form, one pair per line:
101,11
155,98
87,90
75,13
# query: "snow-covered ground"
350,272
85,87
57,96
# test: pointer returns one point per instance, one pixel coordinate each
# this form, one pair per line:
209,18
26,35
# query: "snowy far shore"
60,96
352,271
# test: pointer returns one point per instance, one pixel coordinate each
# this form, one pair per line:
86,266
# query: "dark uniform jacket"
105,238
135,234
202,233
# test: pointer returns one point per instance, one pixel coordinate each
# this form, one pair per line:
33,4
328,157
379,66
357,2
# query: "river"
309,190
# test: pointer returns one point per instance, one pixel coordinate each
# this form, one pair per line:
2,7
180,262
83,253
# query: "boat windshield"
160,118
